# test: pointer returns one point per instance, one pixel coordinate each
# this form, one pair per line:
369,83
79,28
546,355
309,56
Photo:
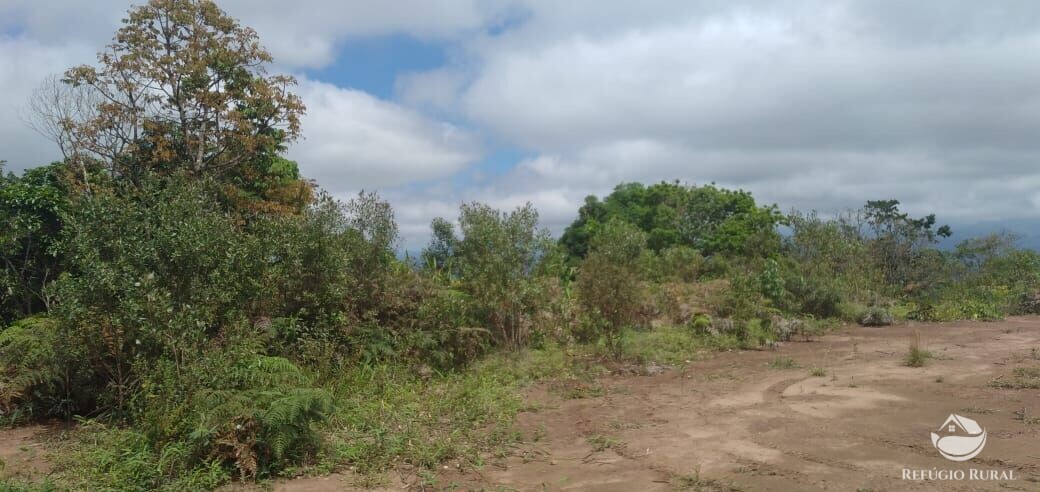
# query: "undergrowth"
385,416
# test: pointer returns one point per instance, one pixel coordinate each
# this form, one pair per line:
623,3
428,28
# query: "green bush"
496,261
35,375
675,263
815,297
743,299
608,282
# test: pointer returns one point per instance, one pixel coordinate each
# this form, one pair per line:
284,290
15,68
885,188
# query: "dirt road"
739,420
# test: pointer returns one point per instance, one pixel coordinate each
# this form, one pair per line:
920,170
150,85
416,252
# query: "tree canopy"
707,218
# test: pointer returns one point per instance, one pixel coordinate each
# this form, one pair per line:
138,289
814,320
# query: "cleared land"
744,421
842,412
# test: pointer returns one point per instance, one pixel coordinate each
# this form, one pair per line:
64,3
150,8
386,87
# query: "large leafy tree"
30,207
183,88
708,218
184,84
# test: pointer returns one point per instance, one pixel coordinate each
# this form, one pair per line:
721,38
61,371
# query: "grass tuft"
916,356
1020,378
783,363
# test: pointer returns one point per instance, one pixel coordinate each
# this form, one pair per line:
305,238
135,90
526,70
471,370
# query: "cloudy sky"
815,105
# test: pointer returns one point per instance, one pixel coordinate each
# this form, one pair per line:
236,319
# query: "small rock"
653,369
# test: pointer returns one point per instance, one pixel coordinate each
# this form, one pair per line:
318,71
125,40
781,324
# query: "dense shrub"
36,379
672,264
235,406
30,208
709,219
608,284
496,262
160,305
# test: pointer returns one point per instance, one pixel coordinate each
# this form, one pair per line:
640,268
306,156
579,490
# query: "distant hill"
1027,230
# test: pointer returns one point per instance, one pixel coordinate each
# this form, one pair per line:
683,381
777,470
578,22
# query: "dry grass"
916,356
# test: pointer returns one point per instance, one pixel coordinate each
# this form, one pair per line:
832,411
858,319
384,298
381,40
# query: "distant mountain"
1027,231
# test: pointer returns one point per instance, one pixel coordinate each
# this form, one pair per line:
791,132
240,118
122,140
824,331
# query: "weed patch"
1020,378
783,363
600,443
916,356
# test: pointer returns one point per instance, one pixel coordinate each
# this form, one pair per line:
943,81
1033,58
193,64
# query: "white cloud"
813,104
807,104
303,33
25,64
354,140
437,89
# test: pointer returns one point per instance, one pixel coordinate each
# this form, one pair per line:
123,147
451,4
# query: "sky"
807,104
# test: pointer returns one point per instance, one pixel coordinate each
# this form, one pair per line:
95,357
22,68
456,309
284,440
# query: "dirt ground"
737,421
734,421
22,455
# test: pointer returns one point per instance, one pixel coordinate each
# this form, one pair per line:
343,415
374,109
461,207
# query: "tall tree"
707,218
183,86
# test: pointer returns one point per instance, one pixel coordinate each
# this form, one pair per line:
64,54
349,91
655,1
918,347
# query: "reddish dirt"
22,454
733,422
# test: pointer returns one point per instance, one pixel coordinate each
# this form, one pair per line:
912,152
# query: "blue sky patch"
373,64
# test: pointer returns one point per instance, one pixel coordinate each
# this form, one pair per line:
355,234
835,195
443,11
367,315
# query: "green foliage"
30,208
709,219
217,320
109,458
1020,378
388,414
35,378
743,299
826,258
916,356
210,343
495,262
781,362
256,415
673,345
608,283
900,242
672,264
146,277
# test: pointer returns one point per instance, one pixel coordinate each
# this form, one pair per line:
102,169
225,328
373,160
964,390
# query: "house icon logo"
959,439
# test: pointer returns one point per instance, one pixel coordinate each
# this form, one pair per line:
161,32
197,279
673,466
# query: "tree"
54,109
899,243
30,207
707,218
608,282
182,86
495,262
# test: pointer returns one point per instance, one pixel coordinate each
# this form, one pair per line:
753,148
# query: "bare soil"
22,454
736,422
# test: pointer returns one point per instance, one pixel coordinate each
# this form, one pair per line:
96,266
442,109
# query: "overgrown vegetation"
201,313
